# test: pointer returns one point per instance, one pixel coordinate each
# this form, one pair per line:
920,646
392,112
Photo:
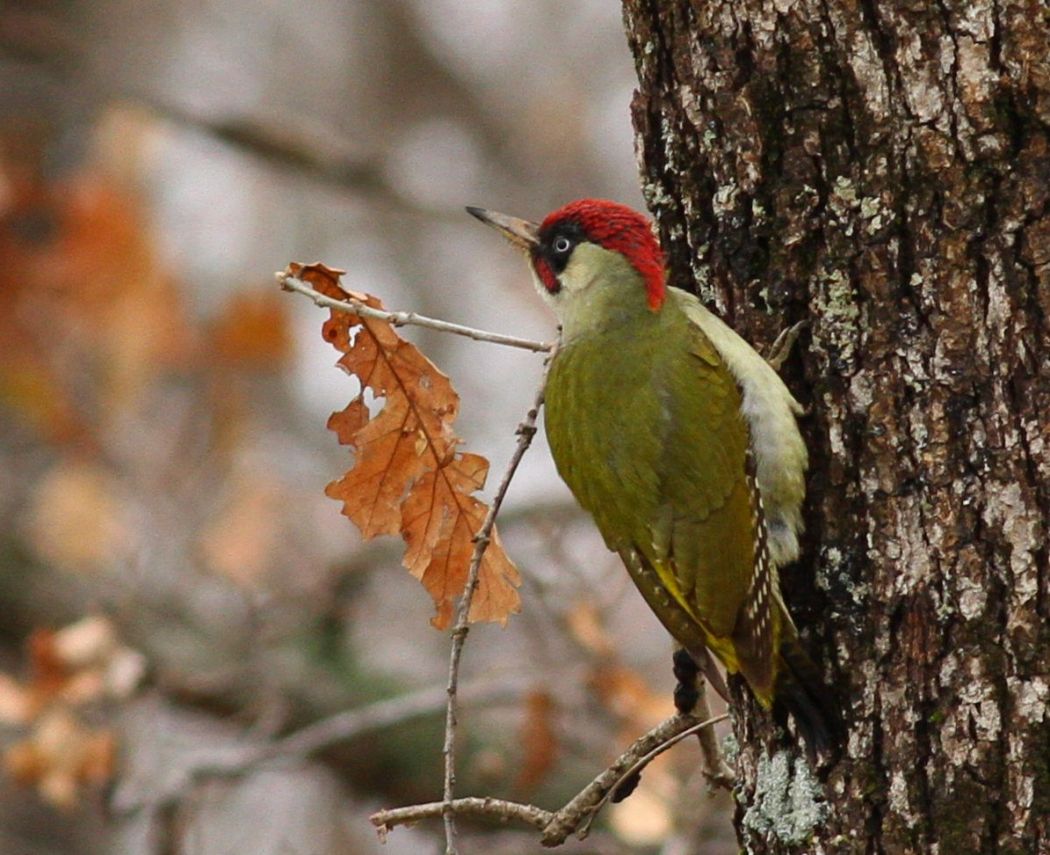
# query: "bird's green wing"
703,532
648,434
707,533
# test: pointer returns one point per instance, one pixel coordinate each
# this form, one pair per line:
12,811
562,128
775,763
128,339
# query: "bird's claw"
686,692
781,348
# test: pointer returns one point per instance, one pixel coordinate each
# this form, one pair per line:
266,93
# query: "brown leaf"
78,293
407,476
16,701
80,664
85,642
586,625
440,520
49,673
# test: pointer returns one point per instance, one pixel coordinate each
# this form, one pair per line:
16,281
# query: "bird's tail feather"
801,691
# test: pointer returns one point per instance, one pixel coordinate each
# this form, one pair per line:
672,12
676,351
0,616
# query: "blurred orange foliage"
83,299
539,741
76,665
252,331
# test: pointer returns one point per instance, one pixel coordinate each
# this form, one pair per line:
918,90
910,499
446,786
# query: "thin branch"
716,770
581,808
292,142
400,319
485,808
577,814
636,768
700,727
526,431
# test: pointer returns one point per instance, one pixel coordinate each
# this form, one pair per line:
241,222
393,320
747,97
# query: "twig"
583,806
290,142
643,761
488,808
399,319
526,431
576,815
716,770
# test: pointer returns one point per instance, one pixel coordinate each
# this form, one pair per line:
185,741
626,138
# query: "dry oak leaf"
407,475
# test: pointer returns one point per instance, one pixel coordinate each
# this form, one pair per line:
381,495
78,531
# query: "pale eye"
562,245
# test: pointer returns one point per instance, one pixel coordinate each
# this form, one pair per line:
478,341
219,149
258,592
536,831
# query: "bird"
682,443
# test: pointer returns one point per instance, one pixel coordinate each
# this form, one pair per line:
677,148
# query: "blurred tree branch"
45,43
292,143
324,734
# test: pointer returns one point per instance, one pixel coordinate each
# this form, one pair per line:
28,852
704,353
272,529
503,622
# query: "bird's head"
588,248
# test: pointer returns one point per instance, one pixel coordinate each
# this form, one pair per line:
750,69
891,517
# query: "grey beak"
522,233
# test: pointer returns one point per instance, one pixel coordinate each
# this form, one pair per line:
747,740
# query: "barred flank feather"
797,687
758,630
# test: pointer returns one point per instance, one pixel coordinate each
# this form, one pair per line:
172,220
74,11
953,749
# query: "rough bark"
883,171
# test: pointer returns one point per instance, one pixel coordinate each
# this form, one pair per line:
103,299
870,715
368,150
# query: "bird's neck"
602,298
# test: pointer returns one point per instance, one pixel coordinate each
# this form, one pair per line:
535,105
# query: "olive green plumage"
645,426
682,443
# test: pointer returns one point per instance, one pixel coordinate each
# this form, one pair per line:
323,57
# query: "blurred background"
176,592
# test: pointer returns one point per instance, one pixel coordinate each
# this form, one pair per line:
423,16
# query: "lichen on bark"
788,802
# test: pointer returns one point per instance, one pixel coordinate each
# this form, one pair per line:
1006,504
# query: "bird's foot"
781,348
686,672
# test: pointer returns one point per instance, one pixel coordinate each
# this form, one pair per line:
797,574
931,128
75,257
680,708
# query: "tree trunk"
882,170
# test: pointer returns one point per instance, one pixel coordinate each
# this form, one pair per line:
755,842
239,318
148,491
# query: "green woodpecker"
682,443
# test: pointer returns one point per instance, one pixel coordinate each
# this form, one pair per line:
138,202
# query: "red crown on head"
619,229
